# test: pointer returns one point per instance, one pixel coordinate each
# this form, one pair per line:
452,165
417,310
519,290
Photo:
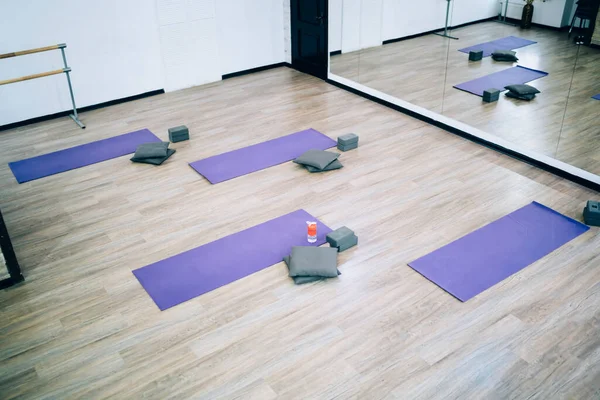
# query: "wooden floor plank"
81,326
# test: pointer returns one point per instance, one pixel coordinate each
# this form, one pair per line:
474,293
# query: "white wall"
335,25
120,48
549,13
405,17
465,11
188,41
250,33
351,11
361,23
201,40
370,23
367,23
287,31
111,57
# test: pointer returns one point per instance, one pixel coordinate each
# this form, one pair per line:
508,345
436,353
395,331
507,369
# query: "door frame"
323,70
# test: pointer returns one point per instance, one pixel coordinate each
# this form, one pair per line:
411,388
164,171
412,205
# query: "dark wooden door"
309,36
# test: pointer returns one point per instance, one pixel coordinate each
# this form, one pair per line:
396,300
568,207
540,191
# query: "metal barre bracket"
66,70
445,34
500,18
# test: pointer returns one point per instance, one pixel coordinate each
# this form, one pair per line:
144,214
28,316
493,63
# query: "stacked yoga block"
342,238
347,142
179,134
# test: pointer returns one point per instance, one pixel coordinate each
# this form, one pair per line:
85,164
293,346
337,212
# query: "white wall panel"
111,56
250,33
371,23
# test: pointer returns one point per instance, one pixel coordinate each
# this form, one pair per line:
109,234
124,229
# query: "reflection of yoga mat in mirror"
512,76
80,156
263,155
596,97
187,275
507,43
485,257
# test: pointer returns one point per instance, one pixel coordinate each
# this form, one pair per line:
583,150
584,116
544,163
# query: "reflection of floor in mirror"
412,70
415,70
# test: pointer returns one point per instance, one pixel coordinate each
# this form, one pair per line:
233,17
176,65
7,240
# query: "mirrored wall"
400,48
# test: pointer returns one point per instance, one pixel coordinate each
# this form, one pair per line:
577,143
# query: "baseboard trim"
494,146
253,70
479,21
335,53
80,110
517,22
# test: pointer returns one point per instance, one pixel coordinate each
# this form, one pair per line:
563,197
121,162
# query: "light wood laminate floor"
562,122
82,327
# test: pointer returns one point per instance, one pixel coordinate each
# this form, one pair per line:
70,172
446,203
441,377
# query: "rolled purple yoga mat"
80,156
479,260
263,155
187,275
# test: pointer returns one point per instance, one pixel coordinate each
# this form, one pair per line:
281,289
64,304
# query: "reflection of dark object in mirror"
521,92
491,95
586,13
526,97
522,89
475,55
527,15
591,213
505,55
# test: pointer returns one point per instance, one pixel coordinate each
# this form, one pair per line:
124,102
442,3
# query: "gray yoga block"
351,242
491,95
347,139
338,236
179,134
347,147
476,55
591,213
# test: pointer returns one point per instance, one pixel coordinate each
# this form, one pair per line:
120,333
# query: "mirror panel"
400,48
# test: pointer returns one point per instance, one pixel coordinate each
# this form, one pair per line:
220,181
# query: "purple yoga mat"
498,80
596,97
507,43
187,275
80,156
479,260
263,155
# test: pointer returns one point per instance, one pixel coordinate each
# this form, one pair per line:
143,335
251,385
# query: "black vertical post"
12,265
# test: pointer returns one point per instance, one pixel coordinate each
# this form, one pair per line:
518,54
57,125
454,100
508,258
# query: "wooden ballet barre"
34,76
31,51
66,70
